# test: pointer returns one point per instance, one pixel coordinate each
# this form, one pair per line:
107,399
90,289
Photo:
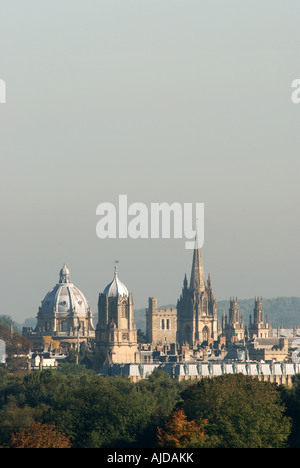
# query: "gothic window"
122,308
168,324
163,324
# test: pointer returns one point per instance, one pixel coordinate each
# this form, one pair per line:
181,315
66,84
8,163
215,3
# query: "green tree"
291,398
242,412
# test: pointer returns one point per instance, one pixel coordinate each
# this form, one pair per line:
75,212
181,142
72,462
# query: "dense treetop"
233,411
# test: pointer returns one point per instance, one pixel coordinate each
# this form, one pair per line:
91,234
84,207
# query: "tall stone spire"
197,282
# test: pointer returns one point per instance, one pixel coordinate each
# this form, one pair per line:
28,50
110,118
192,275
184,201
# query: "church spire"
197,282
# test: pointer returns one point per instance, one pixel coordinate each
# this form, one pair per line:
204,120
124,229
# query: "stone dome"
116,287
64,297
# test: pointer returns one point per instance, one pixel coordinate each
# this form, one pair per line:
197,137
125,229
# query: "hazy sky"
162,100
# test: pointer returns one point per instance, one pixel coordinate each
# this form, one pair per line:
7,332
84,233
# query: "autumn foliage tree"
40,435
179,432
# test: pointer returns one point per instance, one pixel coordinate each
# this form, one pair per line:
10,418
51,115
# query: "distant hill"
283,311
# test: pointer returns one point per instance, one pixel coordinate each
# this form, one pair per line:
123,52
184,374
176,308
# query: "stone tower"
161,324
116,334
259,327
197,321
234,329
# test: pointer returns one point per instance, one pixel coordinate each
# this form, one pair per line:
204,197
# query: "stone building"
280,373
259,326
233,329
268,349
194,321
64,315
116,333
161,324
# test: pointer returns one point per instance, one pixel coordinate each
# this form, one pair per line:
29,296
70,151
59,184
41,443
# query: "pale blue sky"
162,100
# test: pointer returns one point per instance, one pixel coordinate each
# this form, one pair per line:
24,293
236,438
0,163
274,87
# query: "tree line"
75,407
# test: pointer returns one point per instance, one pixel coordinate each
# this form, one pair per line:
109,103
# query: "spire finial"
197,281
197,242
116,266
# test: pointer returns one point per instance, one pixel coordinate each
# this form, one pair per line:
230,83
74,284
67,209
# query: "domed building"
116,287
116,334
64,315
